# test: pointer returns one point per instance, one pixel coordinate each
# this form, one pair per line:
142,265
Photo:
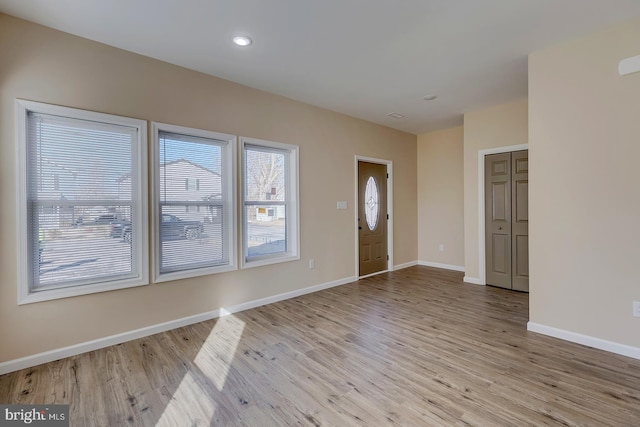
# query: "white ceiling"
364,58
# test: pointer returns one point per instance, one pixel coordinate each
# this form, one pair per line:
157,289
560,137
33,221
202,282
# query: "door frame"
389,165
482,258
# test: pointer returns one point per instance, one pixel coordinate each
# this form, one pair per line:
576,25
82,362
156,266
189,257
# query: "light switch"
341,205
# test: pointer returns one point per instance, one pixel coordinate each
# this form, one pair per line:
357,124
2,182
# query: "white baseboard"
439,265
60,353
610,346
473,280
405,265
287,295
373,274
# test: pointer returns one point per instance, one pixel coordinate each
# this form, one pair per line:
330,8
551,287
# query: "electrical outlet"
441,247
636,309
312,264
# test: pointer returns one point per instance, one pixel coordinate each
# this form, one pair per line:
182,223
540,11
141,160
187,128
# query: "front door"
372,218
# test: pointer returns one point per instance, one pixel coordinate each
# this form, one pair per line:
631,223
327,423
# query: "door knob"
499,228
359,228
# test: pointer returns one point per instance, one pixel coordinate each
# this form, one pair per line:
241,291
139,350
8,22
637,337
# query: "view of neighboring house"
56,183
183,180
270,213
266,183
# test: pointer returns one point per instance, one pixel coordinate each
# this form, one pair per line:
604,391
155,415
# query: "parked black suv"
171,228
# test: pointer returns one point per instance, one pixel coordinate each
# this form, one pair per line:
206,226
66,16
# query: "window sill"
187,274
270,260
59,293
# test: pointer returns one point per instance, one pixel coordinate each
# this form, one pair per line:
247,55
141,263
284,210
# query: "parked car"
177,228
107,219
118,228
171,228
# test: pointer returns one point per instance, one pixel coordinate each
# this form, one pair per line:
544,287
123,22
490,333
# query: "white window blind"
270,202
195,213
82,179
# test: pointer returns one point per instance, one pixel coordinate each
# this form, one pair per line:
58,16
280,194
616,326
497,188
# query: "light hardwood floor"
415,347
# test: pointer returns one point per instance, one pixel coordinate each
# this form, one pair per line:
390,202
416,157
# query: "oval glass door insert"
371,204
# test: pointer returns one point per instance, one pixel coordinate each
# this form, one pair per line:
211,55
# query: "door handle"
499,228
359,228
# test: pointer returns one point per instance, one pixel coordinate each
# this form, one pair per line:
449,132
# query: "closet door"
520,220
497,169
507,220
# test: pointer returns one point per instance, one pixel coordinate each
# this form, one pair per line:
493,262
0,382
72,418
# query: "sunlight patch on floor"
216,354
190,405
191,402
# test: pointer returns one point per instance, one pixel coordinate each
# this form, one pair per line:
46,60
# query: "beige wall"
48,66
584,123
441,197
499,126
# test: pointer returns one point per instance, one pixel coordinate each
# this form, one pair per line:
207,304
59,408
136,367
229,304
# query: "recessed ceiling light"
395,115
429,97
242,41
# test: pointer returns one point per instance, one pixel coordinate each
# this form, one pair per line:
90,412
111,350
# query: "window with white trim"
194,208
81,175
270,202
